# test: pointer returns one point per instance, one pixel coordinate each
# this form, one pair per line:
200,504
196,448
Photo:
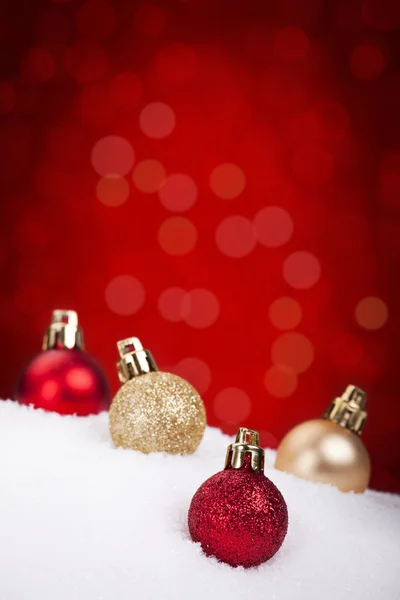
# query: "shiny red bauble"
64,381
239,516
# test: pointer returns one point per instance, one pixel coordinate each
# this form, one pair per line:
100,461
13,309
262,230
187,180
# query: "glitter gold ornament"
238,515
330,450
154,411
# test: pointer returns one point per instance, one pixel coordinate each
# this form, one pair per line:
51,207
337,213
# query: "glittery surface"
239,516
157,412
64,381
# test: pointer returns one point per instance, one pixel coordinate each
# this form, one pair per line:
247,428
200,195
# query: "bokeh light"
285,313
178,192
196,371
273,226
177,236
301,270
157,120
293,350
112,190
112,155
125,295
280,381
235,236
371,313
170,304
37,65
200,308
148,176
232,405
227,181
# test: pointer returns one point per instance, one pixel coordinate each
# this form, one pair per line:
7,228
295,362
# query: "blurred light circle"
232,405
150,19
96,19
86,61
176,63
112,154
227,181
291,44
235,236
124,295
8,97
200,308
126,91
367,62
383,15
196,371
178,192
371,313
293,350
301,270
157,120
112,190
285,313
313,164
170,302
37,65
280,381
273,226
148,176
177,236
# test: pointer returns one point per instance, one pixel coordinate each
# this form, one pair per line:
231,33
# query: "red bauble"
64,381
238,515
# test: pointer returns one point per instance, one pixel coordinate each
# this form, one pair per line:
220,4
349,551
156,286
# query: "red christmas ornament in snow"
63,378
238,515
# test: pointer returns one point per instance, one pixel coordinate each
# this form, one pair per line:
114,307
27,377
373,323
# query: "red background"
303,99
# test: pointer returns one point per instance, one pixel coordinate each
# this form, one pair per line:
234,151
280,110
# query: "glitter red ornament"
63,378
238,515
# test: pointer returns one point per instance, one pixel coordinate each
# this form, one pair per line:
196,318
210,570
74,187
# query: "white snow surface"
81,520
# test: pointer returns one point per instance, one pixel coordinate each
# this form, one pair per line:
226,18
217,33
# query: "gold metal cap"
64,331
247,443
347,410
134,359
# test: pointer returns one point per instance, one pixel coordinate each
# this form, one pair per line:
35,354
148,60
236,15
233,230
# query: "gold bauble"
154,411
323,451
330,450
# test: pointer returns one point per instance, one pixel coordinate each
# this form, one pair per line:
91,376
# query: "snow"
81,520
